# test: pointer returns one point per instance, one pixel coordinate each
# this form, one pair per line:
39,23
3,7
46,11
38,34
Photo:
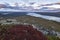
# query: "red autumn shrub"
23,32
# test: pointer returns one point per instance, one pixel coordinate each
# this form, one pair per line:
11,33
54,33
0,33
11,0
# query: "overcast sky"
38,1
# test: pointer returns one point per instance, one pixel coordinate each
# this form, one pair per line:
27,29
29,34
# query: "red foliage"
24,32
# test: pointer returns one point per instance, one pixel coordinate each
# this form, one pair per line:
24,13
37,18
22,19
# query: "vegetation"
18,32
52,38
52,25
45,23
4,31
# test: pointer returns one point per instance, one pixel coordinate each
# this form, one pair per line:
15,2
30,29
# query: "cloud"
53,6
57,19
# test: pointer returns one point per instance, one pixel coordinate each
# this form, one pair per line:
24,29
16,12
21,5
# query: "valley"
49,28
29,19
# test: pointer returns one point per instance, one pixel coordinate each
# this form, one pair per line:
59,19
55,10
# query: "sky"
27,1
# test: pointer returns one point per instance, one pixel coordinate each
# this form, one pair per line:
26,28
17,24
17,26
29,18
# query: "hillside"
21,32
38,21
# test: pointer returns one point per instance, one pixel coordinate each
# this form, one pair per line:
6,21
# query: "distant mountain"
12,14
